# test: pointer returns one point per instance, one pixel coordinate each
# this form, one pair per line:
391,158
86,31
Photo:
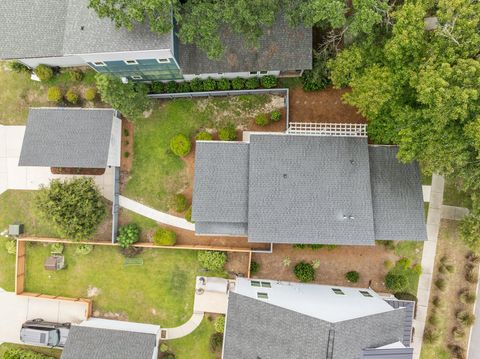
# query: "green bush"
16,353
163,348
458,333
168,356
254,267
465,318
431,335
228,133
11,247
261,120
467,297
276,116
209,84
196,85
128,235
223,84
318,77
470,227
90,94
44,72
304,272
83,249
75,75
165,237
188,214
157,87
404,263
438,302
184,86
268,81
18,67
252,83
74,206
171,87
71,96
457,351
203,136
417,268
212,260
57,248
441,284
54,94
352,276
180,203
433,320
216,342
180,145
219,324
396,282
238,83
389,245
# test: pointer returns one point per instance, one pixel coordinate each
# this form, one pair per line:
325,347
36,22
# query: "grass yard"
452,196
54,353
7,268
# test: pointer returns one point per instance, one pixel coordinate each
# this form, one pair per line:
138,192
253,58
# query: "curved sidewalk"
184,329
157,216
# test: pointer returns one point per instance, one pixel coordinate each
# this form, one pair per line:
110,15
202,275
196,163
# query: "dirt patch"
322,106
127,145
93,291
237,264
77,171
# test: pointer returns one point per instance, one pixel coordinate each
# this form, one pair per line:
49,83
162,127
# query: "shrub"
417,268
404,263
157,87
126,154
304,272
75,75
276,116
252,83
438,302
446,268
219,324
11,247
74,206
196,85
71,96
457,351
319,76
465,318
441,284
433,320
238,83
83,249
180,145
90,94
388,264
16,353
470,227
163,348
473,258
165,237
44,72
389,245
299,246
254,267
470,273
228,133
431,335
203,136
168,356
180,203
268,81
458,333
184,86
209,84
352,276
54,94
18,67
223,84
316,263
396,282
212,260
127,235
57,248
171,87
188,214
467,297
286,261
261,120
216,342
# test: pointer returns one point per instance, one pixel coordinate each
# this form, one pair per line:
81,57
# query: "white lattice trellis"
328,129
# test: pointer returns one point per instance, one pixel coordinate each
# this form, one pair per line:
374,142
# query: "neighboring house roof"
281,47
387,353
96,343
409,315
53,28
66,137
257,328
308,189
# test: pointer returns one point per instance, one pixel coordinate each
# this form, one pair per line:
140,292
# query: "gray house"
283,188
67,33
282,320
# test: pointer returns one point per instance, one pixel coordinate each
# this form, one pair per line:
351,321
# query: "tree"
470,227
130,99
74,206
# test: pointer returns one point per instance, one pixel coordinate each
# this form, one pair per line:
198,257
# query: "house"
271,319
286,188
67,33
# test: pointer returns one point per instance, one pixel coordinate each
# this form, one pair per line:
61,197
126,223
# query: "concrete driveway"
30,178
16,309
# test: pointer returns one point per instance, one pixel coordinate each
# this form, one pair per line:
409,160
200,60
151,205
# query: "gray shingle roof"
95,343
393,353
397,196
221,228
62,137
53,28
258,329
281,47
409,315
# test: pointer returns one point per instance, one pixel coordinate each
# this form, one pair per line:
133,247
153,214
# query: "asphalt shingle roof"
95,343
62,137
393,353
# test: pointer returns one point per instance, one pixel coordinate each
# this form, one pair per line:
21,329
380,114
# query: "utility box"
15,229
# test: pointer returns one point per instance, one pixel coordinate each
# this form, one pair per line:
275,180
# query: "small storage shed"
54,263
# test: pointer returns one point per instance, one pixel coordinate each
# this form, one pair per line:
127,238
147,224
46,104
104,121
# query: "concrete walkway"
157,216
473,349
454,213
428,261
184,329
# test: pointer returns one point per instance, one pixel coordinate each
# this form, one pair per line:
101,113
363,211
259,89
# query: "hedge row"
223,84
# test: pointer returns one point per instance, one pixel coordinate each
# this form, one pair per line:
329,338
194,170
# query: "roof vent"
353,162
285,175
82,28
348,217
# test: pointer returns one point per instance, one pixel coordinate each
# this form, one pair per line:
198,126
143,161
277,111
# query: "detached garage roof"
71,137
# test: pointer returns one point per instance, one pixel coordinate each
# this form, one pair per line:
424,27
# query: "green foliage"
238,83
458,333
404,263
57,248
262,120
196,85
83,249
465,318
71,96
322,13
168,355
388,264
216,342
352,276
316,263
180,203
431,335
441,284
163,348
396,282
14,353
252,83
314,246
165,237
228,133
75,75
188,214
389,245
433,320
209,84
130,99
44,72
467,297
203,136
275,116
318,77
18,67
470,227
212,260
180,145
471,274
74,206
254,267
54,94
223,84
157,87
438,302
286,261
184,86
11,247
219,324
171,87
268,81
90,94
304,272
128,235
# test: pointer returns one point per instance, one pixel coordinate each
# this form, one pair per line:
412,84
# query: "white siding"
65,61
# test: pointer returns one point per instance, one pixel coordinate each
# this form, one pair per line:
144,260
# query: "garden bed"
77,171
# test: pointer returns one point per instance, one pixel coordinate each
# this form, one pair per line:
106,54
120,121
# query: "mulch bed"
77,171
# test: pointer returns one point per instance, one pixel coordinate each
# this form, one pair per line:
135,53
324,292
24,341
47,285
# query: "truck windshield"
53,338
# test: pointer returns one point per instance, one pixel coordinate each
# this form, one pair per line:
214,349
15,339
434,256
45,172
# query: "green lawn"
54,353
7,267
197,342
